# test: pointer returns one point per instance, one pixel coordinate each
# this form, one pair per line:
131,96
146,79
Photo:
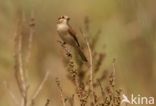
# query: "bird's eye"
62,16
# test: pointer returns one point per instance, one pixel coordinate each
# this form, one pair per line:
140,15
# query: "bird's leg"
61,42
68,52
64,43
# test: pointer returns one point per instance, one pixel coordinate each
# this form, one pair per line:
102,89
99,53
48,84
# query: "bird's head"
63,19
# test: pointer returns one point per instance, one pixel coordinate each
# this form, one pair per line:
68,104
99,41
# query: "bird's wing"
73,34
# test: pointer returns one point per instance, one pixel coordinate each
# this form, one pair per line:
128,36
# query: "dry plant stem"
39,88
12,95
102,91
91,72
19,70
29,45
90,68
30,38
72,100
114,69
61,92
65,48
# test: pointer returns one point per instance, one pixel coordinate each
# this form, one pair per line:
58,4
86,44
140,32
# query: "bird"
68,35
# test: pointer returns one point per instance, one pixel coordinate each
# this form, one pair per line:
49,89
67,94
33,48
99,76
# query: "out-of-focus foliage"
128,34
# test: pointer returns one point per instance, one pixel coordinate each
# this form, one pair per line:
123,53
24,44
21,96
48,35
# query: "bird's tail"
82,54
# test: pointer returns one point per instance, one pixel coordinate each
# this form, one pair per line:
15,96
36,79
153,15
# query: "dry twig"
30,37
19,70
102,91
61,92
90,67
39,88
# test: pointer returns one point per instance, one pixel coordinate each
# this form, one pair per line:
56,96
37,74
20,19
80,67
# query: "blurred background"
128,34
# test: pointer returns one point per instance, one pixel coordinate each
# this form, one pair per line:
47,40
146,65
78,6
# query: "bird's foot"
62,43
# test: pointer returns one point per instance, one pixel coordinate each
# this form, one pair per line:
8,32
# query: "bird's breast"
62,28
64,34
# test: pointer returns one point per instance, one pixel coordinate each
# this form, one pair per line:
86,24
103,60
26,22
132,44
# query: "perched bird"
68,36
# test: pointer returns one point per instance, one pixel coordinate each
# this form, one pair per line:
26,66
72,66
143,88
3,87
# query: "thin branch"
61,92
39,88
102,91
19,70
112,76
30,37
68,53
91,71
72,100
114,69
90,67
19,64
